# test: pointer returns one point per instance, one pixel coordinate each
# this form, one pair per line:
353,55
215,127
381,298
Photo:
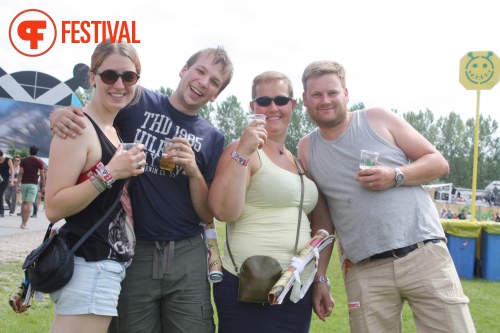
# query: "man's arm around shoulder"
67,121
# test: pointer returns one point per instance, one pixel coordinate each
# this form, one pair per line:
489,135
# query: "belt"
400,253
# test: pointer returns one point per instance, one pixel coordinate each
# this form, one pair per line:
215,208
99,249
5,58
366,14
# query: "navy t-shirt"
161,200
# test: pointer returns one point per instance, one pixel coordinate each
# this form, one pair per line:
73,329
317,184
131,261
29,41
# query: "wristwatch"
399,178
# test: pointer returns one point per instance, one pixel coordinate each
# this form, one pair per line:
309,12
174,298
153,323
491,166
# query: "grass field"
483,296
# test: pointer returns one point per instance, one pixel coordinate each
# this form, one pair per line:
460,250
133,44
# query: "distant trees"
452,136
22,152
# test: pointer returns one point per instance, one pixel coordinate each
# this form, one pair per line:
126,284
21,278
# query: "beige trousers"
426,278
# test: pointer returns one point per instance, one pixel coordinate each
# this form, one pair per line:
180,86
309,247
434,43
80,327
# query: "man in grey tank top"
392,244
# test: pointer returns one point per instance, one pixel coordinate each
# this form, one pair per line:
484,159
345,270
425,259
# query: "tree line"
451,135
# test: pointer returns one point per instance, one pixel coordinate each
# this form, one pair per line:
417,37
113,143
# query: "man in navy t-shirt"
166,288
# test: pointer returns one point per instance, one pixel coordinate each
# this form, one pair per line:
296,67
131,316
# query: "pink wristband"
239,159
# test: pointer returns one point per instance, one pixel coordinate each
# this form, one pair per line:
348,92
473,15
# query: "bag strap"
301,174
97,224
236,269
91,230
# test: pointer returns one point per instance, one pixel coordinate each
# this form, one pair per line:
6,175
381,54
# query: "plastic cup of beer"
127,145
368,159
255,116
166,163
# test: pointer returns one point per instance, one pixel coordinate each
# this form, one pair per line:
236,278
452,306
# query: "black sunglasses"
110,77
278,100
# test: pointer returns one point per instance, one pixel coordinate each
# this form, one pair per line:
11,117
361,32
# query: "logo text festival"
33,32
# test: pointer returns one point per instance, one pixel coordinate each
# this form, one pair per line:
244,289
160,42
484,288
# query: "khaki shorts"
426,278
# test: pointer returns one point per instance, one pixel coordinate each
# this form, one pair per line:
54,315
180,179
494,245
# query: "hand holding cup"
368,159
127,145
255,116
166,163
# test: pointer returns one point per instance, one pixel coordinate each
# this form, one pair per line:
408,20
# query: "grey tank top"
369,222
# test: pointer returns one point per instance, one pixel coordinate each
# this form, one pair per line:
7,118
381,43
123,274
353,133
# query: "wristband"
104,174
100,177
323,279
239,159
96,182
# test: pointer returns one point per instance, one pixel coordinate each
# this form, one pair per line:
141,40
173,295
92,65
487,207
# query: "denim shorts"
93,289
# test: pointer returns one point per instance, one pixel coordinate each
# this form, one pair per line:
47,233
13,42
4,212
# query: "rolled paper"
214,261
291,274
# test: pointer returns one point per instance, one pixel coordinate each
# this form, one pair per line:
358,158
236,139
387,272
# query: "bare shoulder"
303,150
303,145
87,133
386,123
378,113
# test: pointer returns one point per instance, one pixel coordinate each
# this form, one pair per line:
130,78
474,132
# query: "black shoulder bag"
50,266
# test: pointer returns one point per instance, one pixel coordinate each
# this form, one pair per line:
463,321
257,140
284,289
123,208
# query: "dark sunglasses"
278,100
110,77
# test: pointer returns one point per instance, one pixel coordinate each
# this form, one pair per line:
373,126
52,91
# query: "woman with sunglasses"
85,178
257,191
11,193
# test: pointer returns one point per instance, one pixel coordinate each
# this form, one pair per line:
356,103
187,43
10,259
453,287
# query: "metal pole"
474,169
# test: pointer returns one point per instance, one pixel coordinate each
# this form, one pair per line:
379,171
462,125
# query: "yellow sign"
479,70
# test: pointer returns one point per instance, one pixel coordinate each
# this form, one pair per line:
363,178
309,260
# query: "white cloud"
398,54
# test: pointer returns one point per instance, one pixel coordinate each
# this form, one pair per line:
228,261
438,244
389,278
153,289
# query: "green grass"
483,296
39,316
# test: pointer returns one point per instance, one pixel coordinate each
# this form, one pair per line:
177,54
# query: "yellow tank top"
268,223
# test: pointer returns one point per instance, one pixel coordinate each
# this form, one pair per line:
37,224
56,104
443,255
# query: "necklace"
279,149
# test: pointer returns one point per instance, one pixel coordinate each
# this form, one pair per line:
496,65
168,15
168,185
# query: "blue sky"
398,54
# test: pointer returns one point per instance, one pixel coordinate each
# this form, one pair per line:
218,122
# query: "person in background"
30,168
11,193
462,215
85,180
166,288
7,173
262,220
388,227
39,195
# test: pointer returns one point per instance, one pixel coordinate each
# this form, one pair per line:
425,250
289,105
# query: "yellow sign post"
478,71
